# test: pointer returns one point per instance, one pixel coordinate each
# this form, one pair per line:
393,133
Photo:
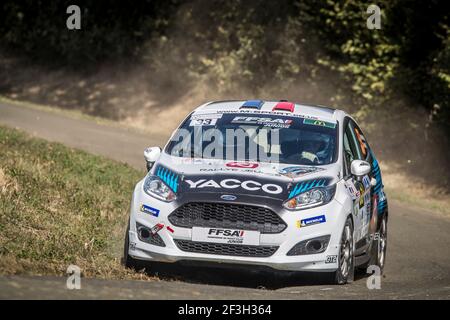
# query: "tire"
377,250
379,255
127,260
346,258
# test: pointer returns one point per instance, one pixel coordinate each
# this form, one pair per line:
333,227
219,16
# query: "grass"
60,206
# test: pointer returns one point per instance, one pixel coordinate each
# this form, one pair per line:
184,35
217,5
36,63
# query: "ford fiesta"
262,183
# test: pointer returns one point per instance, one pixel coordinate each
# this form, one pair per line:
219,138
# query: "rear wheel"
381,246
378,249
346,265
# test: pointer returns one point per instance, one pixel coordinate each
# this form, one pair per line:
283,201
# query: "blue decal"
306,185
378,189
147,209
170,178
311,221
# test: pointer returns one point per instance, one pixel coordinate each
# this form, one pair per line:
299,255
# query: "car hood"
212,179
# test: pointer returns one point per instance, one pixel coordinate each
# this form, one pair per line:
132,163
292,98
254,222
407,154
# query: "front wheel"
127,260
346,266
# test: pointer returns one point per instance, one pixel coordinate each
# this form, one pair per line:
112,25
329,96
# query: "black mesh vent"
226,249
224,215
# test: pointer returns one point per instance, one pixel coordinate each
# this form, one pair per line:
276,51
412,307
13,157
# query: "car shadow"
237,275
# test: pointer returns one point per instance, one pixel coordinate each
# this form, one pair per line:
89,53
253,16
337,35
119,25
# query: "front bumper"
284,241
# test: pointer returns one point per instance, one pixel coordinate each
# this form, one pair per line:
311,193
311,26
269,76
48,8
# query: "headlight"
154,187
311,198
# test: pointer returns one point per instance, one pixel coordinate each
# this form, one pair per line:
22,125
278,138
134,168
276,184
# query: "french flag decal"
252,104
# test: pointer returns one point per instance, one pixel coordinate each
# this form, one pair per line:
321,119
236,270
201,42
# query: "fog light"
147,235
310,246
313,246
144,233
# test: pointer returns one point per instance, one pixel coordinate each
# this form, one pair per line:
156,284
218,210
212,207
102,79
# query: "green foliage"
319,50
365,58
108,31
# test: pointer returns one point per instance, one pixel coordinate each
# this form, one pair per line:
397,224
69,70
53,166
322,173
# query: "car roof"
303,110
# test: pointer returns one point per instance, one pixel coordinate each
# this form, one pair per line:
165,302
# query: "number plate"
229,236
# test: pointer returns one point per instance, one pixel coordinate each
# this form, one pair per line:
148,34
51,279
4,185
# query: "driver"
310,151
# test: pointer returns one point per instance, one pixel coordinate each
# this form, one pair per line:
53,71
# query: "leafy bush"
263,48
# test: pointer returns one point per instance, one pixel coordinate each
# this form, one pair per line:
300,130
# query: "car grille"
226,249
224,215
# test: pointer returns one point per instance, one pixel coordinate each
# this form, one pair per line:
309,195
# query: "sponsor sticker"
155,229
320,123
361,197
246,165
350,187
366,181
248,185
202,122
206,116
228,236
267,122
311,221
297,171
246,170
331,259
269,113
150,210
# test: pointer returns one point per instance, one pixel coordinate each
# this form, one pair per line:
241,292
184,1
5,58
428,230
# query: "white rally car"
262,183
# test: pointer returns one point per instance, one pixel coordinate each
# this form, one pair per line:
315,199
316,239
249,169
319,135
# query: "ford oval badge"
228,197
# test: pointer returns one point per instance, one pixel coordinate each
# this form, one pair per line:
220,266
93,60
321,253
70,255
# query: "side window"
362,144
351,151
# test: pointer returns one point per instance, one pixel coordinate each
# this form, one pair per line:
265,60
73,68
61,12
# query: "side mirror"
151,155
360,168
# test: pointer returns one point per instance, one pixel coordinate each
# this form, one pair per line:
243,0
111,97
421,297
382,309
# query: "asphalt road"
418,256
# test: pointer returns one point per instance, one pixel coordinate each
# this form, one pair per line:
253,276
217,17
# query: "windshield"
256,137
